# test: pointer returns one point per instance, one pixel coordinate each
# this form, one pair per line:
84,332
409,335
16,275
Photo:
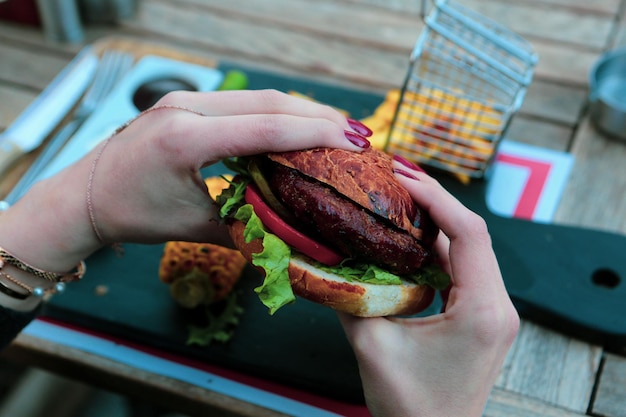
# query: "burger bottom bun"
356,298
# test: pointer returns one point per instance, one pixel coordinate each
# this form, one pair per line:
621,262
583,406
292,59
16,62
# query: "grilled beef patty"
353,231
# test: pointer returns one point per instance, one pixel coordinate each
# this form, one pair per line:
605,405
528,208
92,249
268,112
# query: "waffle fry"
201,273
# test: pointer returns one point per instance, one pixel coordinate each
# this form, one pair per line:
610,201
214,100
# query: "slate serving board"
556,275
302,345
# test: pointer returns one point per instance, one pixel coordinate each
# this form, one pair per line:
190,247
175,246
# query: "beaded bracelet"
28,290
77,274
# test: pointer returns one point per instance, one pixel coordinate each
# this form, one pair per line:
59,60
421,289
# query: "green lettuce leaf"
220,325
231,198
431,275
276,290
237,164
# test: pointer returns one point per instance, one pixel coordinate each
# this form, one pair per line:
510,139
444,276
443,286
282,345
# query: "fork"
112,67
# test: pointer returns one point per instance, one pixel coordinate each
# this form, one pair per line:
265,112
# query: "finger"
445,210
445,295
442,248
362,331
472,261
210,139
240,102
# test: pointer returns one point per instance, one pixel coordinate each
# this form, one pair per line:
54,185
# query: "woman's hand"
445,364
146,184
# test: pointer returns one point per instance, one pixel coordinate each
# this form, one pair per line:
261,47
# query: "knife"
35,123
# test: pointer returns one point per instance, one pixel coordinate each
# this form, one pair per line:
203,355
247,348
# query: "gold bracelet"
77,274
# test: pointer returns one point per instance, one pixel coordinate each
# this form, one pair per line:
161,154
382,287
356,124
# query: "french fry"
437,126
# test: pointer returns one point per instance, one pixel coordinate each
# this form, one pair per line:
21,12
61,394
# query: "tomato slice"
287,233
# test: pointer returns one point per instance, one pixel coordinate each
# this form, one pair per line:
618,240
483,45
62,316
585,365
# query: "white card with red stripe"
527,181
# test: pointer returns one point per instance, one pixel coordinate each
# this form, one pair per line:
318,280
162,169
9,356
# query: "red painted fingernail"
408,163
357,139
360,127
405,174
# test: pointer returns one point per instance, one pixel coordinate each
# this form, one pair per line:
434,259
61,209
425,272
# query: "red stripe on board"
529,199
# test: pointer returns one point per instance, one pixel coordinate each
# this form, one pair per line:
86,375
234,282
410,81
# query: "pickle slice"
264,188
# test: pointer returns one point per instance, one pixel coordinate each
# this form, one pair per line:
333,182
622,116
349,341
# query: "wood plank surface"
547,366
350,56
285,47
620,37
597,157
545,21
14,100
16,67
540,133
324,18
610,395
118,377
597,6
565,64
557,103
508,404
366,44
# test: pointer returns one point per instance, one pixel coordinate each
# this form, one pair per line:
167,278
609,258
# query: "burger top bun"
366,178
356,298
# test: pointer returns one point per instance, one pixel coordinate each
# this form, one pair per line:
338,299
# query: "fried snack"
217,184
201,273
380,121
436,125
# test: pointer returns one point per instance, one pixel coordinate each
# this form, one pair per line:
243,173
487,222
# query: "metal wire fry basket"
467,78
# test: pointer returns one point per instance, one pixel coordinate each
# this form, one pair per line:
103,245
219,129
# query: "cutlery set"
49,109
112,82
112,67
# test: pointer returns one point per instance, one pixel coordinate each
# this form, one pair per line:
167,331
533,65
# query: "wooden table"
365,44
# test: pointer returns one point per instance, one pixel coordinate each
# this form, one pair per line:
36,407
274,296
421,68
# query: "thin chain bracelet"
5,289
94,164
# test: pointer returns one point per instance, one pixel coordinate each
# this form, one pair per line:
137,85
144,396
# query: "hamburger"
334,227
